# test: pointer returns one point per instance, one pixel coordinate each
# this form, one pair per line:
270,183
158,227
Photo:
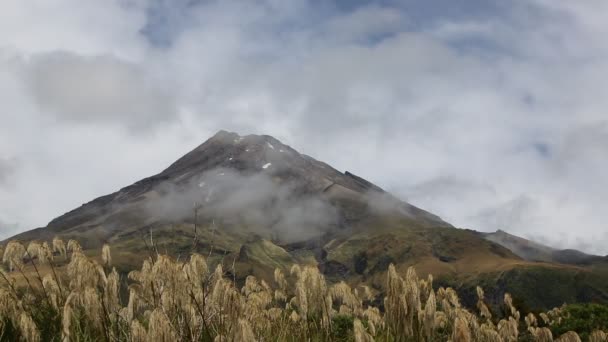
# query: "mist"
266,206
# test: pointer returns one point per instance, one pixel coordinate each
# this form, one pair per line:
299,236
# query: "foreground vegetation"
183,300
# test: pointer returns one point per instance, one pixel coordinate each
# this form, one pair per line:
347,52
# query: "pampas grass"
173,300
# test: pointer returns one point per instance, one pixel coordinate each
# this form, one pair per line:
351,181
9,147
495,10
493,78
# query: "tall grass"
173,300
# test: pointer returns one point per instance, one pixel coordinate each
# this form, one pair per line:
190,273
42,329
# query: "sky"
491,114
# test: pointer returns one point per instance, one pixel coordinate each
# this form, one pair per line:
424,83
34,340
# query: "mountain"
533,251
255,204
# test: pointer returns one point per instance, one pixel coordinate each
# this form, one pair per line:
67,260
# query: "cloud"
484,113
255,200
7,168
7,229
98,89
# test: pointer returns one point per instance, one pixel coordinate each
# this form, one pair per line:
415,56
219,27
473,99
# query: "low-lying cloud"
256,201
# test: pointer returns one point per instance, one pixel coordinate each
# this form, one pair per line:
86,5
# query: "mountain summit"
256,204
254,179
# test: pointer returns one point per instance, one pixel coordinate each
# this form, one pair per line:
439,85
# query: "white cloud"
489,121
98,89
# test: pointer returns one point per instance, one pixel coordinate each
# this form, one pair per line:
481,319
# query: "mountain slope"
255,204
533,251
206,176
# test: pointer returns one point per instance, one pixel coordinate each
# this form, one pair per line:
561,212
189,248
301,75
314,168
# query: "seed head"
359,331
598,336
138,332
28,328
569,336
52,289
106,256
461,331
242,332
543,334
160,327
13,254
45,254
74,246
59,246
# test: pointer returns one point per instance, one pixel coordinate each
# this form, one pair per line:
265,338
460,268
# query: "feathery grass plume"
345,310
91,303
483,308
145,279
257,298
13,255
295,270
138,332
10,307
508,329
111,291
429,315
372,314
59,246
226,300
106,256
367,293
312,294
598,336
412,292
32,249
280,296
294,317
545,318
68,313
441,320
279,278
395,302
131,305
74,246
486,333
343,294
159,327
555,316
461,332
242,332
509,303
569,336
45,253
197,269
28,328
251,285
531,320
274,313
541,334
359,331
84,272
52,289
452,297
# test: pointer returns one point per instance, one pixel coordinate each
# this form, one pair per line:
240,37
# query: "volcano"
256,204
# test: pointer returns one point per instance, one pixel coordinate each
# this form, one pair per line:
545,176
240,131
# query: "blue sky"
487,113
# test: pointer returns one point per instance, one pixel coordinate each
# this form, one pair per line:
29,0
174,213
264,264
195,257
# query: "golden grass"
70,296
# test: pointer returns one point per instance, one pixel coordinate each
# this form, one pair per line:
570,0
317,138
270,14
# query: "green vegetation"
583,318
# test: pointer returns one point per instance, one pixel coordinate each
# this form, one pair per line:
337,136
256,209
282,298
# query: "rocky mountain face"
255,204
